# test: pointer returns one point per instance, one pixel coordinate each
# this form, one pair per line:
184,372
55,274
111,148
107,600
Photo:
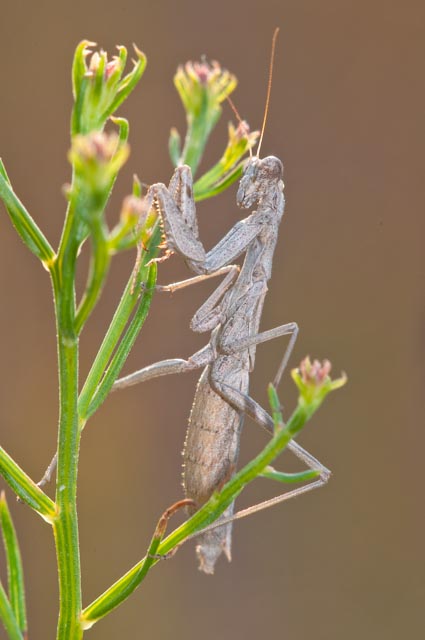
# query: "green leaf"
79,67
98,270
123,128
15,572
101,377
275,407
126,344
280,476
28,230
174,146
25,488
240,140
8,618
213,190
130,81
231,164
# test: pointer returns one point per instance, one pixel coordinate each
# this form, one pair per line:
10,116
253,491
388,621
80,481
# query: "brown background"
346,119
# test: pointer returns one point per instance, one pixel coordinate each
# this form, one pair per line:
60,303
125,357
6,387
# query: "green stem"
63,275
66,524
198,132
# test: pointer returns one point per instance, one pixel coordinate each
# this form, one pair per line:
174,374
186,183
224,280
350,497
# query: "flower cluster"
98,85
314,382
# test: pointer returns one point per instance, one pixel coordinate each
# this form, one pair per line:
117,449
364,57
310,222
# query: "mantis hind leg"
248,406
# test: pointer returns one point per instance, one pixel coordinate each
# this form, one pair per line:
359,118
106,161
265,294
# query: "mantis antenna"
269,88
241,122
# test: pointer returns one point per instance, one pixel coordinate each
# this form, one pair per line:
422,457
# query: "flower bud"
314,382
96,157
98,86
202,88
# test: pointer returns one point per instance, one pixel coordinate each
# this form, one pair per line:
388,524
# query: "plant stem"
198,132
65,525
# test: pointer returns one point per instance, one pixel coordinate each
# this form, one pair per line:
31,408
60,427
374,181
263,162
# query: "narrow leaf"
124,128
280,476
129,82
25,488
26,227
15,571
214,190
8,618
174,146
126,344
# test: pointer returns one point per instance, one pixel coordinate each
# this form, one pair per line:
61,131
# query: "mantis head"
260,179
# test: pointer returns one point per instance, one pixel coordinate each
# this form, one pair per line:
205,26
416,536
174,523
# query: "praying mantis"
232,314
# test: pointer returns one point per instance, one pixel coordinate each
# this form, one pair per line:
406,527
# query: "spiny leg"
182,284
177,210
290,328
198,360
210,314
251,408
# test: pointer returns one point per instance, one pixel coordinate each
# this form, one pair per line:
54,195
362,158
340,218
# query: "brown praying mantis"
232,314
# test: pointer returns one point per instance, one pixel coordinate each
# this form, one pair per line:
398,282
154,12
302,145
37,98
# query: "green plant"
96,157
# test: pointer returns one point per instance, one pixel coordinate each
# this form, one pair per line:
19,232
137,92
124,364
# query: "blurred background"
346,118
